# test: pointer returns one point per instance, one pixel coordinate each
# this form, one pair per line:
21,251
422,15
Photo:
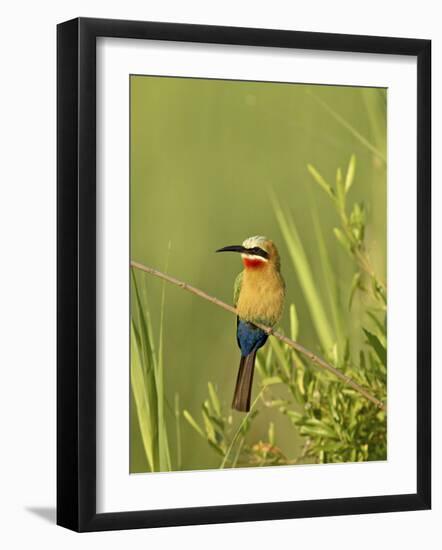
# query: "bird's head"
256,252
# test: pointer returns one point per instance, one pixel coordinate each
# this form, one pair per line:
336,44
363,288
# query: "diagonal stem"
295,345
240,427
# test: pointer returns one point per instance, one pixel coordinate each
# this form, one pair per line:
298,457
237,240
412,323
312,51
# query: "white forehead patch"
257,240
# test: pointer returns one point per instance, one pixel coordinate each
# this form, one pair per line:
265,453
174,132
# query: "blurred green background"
204,156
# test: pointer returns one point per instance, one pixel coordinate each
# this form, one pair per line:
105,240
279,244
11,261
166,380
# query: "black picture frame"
77,286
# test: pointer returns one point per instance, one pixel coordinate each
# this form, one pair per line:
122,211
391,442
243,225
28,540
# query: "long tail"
243,388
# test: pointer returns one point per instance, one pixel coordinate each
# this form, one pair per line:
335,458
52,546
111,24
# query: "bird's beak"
232,248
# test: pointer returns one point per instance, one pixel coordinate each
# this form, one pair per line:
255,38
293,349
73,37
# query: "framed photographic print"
239,210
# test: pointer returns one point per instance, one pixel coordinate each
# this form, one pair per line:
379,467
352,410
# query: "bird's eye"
258,251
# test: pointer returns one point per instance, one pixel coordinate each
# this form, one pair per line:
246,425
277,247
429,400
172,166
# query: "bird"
258,297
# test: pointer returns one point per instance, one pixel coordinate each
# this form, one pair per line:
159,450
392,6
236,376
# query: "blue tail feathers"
249,337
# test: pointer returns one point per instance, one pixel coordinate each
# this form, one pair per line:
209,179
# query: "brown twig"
295,345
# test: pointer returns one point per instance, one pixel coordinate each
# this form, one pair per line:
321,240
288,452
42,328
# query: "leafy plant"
218,430
337,423
147,383
351,233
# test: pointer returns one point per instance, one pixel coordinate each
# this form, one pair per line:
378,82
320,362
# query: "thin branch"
295,345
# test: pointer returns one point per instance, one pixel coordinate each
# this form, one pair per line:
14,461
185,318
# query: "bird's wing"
237,288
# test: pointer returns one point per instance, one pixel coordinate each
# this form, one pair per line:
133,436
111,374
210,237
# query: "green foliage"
336,422
351,233
217,427
147,384
218,430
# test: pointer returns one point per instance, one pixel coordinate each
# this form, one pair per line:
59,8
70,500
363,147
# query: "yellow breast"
261,298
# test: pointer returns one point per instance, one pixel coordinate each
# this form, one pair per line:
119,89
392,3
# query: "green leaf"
321,181
210,430
379,325
216,447
294,323
338,177
349,178
357,221
379,291
271,433
320,430
299,380
347,351
334,353
376,344
146,397
271,381
343,239
295,417
355,284
147,348
193,423
219,423
214,399
142,404
269,367
340,186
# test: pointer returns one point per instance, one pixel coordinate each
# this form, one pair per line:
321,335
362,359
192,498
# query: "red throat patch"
253,263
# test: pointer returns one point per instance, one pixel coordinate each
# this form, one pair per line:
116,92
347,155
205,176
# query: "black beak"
232,248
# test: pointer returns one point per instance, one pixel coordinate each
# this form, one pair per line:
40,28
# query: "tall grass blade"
179,459
294,323
362,139
145,329
305,276
142,405
331,284
243,423
148,361
376,106
163,444
148,385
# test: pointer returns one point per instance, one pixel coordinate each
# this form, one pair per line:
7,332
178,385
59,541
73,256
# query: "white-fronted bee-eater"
258,297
